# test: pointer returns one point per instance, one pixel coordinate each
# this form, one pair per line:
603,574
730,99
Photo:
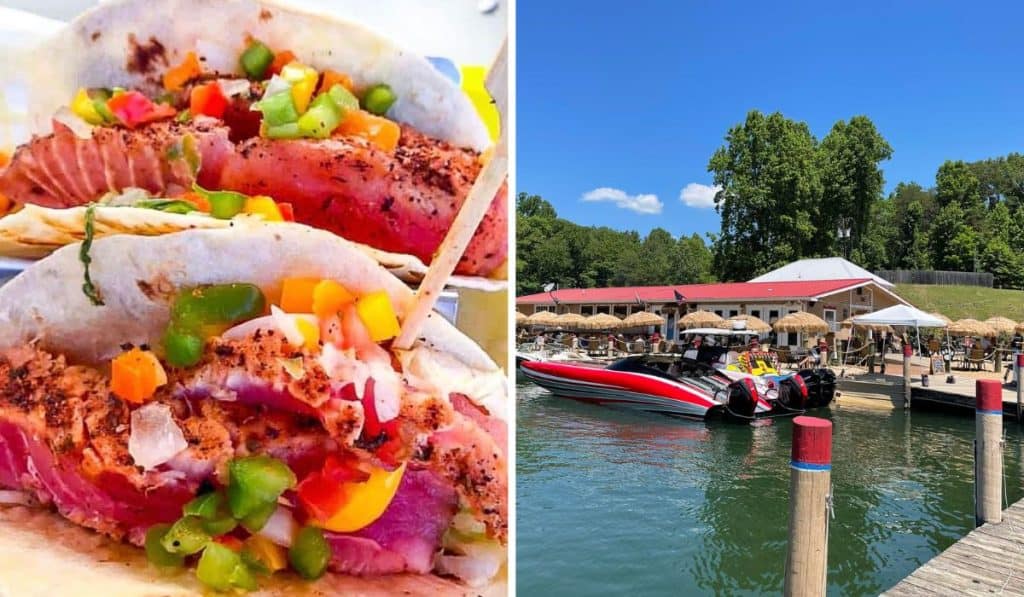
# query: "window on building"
755,313
773,315
733,312
621,311
587,310
601,309
718,312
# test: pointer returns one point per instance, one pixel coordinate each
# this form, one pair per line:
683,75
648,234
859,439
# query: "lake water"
620,503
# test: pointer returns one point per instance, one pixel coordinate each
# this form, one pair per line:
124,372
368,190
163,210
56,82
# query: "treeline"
785,195
550,249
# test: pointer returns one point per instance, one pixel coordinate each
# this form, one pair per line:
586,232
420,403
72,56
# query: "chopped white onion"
233,87
276,85
444,374
344,366
126,198
286,323
154,437
81,128
10,497
387,390
475,570
281,527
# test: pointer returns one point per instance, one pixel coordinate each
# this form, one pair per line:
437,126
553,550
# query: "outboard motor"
821,386
793,392
743,398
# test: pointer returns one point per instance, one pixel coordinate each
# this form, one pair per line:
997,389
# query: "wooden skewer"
486,185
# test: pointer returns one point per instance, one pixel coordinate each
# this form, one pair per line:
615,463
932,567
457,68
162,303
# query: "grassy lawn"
957,302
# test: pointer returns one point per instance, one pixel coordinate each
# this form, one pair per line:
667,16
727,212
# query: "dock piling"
988,452
1018,372
809,504
908,352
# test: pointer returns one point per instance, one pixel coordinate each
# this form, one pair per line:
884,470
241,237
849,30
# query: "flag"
549,287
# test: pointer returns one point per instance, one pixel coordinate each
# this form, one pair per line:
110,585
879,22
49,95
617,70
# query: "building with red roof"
832,299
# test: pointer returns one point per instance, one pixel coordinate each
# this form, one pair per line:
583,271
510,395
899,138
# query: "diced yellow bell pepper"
83,107
303,80
378,315
365,502
329,297
268,553
297,294
310,333
264,206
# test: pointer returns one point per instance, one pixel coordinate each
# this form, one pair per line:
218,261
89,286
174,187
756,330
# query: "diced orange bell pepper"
378,315
287,211
379,131
201,203
135,375
264,206
280,59
329,297
297,294
207,99
332,77
176,77
271,555
5,204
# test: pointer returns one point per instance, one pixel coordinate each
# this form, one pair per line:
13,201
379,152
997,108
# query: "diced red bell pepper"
132,109
373,428
320,496
287,212
344,470
208,99
230,541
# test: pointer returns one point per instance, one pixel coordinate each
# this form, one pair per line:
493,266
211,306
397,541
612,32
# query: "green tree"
657,264
693,261
770,187
953,243
911,206
852,182
956,183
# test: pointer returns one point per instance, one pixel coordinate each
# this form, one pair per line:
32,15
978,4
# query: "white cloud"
699,195
641,204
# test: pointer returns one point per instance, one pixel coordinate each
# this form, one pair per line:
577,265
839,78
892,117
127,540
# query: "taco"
228,399
249,106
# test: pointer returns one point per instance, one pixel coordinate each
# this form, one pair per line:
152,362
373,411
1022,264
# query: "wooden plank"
989,559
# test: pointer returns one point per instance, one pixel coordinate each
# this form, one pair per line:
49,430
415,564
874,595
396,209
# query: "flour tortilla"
95,49
35,543
35,232
138,277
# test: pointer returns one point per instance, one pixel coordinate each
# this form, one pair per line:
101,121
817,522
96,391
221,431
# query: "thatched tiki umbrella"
520,318
942,317
601,321
700,319
1020,328
1002,325
802,322
541,318
752,323
642,319
570,321
970,327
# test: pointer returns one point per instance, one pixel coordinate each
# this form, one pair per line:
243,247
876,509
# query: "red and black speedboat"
668,384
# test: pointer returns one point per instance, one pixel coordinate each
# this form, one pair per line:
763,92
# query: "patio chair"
976,358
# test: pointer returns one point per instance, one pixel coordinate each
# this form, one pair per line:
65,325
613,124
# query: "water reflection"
614,502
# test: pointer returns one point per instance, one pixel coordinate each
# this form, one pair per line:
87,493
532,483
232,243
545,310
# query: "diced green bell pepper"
257,481
225,304
378,99
185,537
218,569
310,553
155,552
322,117
343,98
256,59
224,205
278,109
182,348
283,131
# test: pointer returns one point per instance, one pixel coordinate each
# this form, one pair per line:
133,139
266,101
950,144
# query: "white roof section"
826,268
901,315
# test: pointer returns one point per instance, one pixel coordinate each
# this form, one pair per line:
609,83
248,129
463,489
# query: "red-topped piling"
810,482
988,452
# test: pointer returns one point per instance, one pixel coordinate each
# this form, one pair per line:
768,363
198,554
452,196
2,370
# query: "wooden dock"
886,391
988,561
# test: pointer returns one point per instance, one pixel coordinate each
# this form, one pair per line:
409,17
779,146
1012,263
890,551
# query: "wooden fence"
936,277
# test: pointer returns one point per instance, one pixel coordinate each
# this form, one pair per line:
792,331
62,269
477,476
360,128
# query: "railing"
936,277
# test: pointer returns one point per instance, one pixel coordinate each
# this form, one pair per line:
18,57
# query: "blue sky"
624,102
